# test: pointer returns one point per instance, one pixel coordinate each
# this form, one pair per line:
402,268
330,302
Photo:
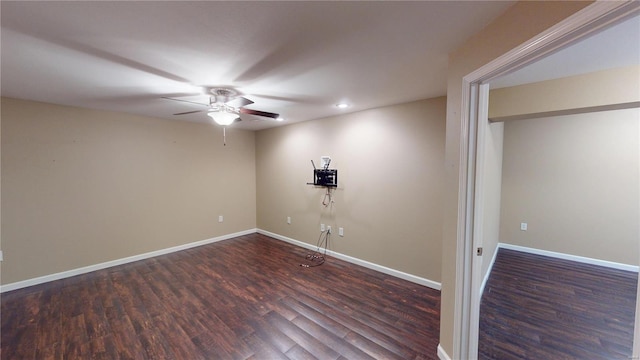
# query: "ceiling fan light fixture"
223,118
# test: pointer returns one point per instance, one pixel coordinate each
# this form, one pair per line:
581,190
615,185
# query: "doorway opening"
475,91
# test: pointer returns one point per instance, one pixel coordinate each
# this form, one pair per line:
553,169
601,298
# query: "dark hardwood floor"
245,298
537,307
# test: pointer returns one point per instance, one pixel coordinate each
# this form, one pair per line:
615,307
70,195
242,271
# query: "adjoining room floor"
244,298
537,307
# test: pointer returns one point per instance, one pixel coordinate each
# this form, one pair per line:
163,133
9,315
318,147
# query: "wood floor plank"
342,311
318,317
537,307
175,336
262,349
370,347
332,340
155,345
300,353
25,347
244,298
104,348
51,352
221,337
300,337
272,335
125,337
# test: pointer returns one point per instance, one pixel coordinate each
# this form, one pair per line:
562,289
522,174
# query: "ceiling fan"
225,106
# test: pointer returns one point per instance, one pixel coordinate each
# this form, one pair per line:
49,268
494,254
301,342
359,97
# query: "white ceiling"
294,58
297,59
615,46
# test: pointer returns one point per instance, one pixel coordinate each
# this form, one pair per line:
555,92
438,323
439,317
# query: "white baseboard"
399,274
108,264
582,259
556,255
442,355
488,273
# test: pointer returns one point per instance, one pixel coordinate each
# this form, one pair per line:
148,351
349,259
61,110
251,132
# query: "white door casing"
468,267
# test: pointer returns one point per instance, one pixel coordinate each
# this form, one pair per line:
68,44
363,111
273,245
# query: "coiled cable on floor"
317,258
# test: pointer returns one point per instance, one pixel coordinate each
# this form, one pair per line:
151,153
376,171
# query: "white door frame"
585,22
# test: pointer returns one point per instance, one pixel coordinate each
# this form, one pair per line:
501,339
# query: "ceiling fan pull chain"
224,135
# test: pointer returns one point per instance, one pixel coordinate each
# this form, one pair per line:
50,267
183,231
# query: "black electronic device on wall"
324,176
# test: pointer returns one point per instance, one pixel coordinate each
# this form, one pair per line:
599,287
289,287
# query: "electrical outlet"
523,226
220,218
288,219
329,229
341,231
1,256
322,228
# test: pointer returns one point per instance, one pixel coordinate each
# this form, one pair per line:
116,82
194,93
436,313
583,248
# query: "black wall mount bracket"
324,176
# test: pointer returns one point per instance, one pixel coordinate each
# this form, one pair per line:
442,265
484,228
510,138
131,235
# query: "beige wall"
492,188
582,94
604,89
574,180
81,187
518,24
390,180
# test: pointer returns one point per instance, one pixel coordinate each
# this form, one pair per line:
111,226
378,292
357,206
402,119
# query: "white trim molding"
489,269
442,355
399,274
112,263
581,259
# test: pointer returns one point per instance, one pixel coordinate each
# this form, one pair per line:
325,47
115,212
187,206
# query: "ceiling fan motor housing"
223,95
229,101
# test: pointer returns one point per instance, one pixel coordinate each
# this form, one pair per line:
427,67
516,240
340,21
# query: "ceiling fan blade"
190,112
239,102
259,113
237,120
187,101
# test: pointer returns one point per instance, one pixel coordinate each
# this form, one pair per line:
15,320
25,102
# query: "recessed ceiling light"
342,105
279,119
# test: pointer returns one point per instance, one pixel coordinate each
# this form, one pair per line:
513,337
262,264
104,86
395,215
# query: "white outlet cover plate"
325,160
